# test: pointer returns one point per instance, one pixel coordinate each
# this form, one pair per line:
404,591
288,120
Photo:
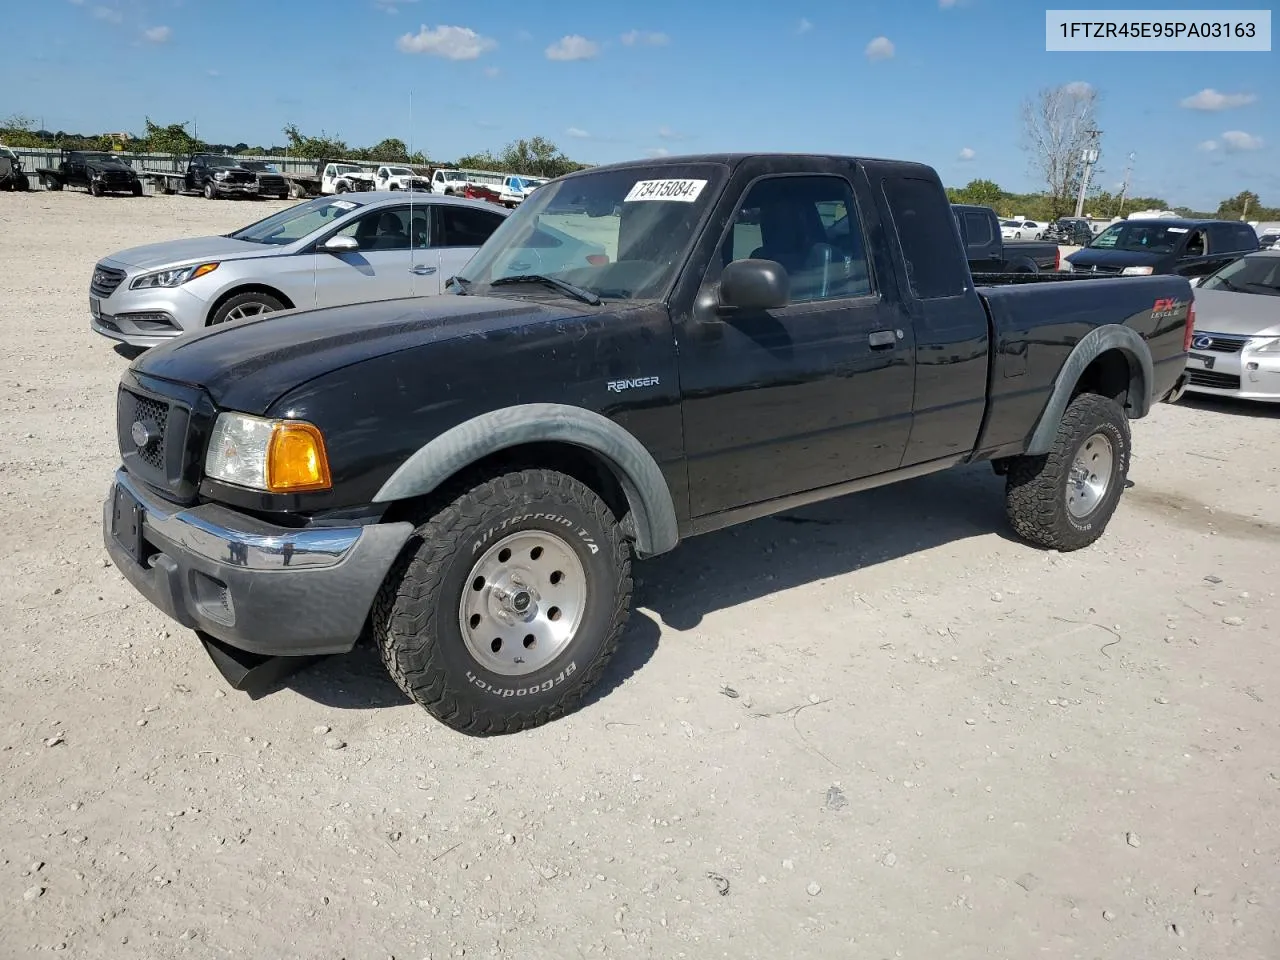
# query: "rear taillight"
1057,257
1190,330
597,259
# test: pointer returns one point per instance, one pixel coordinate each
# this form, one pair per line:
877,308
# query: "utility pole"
1244,214
1089,157
1124,190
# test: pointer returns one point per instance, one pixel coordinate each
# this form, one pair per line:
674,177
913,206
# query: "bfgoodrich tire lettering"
1039,489
416,622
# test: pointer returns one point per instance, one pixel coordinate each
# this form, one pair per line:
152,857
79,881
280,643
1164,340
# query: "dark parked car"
1190,248
1070,231
988,252
464,479
98,172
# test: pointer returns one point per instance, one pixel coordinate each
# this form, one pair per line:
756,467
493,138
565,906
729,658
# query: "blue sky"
933,80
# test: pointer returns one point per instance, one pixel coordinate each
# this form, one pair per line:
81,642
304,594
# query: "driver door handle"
879,339
422,270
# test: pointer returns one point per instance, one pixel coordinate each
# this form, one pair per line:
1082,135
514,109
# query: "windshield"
345,168
1139,237
453,175
1251,274
399,171
101,158
259,165
296,222
620,234
216,161
8,154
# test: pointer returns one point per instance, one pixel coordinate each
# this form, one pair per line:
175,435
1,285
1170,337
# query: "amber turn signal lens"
296,459
204,268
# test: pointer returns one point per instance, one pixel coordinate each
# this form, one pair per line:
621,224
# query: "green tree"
984,193
20,131
1059,125
322,147
536,156
1245,205
172,139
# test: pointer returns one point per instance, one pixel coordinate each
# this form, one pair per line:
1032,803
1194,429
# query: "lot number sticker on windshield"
682,191
343,204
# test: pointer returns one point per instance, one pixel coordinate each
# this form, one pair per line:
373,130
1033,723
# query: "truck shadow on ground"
1230,406
730,567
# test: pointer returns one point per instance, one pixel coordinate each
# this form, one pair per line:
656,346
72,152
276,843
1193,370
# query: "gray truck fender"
1095,343
652,508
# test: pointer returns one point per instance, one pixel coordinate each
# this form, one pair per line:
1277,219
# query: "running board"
251,673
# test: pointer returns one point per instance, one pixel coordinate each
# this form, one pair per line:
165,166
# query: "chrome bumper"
255,586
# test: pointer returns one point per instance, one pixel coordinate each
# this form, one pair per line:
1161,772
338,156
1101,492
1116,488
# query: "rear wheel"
1064,499
297,191
243,305
52,183
507,603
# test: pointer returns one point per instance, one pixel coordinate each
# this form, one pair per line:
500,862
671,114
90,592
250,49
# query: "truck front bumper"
268,590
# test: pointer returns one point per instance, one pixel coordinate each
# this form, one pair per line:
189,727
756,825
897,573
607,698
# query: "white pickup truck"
516,188
453,182
400,178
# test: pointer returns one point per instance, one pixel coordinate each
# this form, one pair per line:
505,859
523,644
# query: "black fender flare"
652,508
1095,343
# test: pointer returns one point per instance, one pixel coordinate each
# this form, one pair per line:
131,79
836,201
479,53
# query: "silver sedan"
326,252
1235,348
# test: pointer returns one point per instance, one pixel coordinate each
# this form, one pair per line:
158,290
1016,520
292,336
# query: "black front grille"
1213,380
240,176
155,415
116,176
271,184
1103,268
1222,342
105,280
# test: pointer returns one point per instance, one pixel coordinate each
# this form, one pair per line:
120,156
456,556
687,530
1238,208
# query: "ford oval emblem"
141,434
1202,342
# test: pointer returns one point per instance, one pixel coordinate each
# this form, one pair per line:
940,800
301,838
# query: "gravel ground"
876,728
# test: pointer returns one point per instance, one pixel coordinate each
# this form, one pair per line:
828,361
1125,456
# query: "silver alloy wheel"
522,603
1090,475
247,310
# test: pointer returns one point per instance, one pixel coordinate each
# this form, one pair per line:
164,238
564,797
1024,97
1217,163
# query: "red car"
475,191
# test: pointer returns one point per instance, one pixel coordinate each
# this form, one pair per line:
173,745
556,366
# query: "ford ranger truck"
465,480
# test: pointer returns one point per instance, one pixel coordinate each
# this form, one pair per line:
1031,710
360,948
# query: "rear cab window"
926,236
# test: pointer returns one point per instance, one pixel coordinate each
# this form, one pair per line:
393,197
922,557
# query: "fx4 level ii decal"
1166,308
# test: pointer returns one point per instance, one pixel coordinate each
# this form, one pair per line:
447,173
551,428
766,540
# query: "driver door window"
378,270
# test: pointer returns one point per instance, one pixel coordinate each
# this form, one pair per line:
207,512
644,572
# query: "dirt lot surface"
874,728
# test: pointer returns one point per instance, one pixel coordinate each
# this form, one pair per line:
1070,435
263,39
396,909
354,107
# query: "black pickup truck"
98,172
215,176
464,479
989,252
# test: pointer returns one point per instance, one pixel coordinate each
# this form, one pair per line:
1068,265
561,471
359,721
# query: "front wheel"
210,191
507,604
1064,499
22,184
136,189
341,188
244,305
95,188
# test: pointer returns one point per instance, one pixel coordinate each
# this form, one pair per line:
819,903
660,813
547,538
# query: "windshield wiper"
460,282
586,296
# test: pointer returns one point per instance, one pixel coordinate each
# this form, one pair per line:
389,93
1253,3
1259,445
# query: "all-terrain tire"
95,188
136,189
417,625
21,183
210,190
1038,489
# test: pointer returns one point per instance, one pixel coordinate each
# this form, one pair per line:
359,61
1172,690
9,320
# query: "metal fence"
33,158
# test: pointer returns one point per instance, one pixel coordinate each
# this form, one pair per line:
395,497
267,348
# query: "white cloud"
1235,140
967,153
107,14
1211,99
492,72
157,34
573,47
1208,146
1078,88
881,48
452,43
578,133
658,152
644,38
804,26
391,6
666,133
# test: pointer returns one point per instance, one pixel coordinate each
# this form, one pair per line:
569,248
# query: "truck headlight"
1137,271
278,456
171,278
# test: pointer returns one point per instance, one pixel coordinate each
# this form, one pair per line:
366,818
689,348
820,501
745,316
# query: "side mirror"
1195,281
340,245
754,285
